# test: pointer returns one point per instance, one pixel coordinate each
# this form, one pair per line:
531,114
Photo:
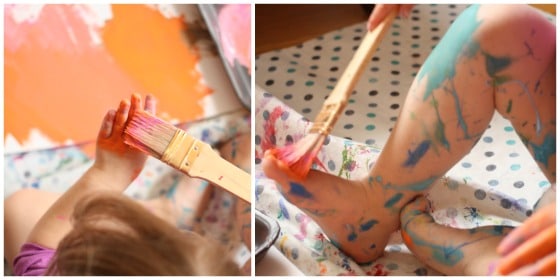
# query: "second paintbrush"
184,152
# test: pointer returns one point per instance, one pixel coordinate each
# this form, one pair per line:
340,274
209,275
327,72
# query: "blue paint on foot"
352,236
299,190
396,198
368,225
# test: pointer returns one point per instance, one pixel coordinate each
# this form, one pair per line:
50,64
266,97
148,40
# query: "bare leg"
449,250
22,210
493,57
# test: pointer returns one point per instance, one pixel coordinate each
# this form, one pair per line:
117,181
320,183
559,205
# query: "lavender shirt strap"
32,260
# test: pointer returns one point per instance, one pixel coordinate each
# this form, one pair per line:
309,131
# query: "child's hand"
530,249
117,163
382,10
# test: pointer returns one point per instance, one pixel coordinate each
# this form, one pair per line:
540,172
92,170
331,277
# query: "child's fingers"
530,251
107,124
379,13
121,115
150,104
135,105
544,267
532,226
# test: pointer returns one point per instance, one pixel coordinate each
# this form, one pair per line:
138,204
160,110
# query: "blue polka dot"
295,253
487,139
466,164
508,129
510,142
331,165
515,167
543,184
493,183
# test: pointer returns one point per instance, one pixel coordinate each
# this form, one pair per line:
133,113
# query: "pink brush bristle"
296,159
148,133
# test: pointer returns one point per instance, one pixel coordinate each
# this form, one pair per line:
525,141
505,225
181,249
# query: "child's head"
113,235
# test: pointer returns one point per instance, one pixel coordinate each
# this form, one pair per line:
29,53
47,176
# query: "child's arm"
115,167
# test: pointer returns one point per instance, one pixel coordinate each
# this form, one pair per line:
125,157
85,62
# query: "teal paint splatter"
172,190
509,105
368,225
440,127
394,199
496,64
545,150
417,187
459,111
446,255
456,42
299,190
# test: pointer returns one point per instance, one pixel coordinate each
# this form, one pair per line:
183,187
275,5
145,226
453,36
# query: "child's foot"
449,250
356,216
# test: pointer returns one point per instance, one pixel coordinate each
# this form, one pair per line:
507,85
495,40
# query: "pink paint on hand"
61,218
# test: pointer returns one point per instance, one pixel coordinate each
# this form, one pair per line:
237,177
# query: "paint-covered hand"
382,10
530,249
118,164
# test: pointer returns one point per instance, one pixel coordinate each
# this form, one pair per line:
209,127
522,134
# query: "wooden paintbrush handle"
210,166
361,58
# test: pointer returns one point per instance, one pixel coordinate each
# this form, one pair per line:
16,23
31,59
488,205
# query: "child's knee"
503,21
20,198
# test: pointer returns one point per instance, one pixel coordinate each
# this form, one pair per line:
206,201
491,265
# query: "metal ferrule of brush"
327,117
182,150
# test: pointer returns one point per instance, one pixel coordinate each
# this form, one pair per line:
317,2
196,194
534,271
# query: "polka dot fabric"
496,184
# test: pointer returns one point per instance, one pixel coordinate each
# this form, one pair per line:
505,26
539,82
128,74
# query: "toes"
121,115
150,104
271,168
417,207
107,124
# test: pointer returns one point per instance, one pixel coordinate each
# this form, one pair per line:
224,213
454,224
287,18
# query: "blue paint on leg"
544,151
416,155
416,187
440,66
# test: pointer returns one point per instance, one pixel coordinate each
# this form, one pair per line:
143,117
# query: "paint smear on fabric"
268,141
62,72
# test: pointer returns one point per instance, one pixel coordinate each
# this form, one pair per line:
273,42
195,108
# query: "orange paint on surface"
153,51
59,81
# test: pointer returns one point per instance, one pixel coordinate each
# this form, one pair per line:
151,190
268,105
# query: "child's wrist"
101,179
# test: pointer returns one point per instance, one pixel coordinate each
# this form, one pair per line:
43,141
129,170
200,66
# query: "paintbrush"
184,152
296,159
